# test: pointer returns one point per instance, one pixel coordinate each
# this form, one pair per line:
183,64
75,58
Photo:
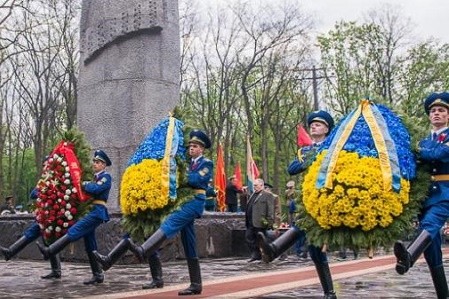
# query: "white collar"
196,159
438,132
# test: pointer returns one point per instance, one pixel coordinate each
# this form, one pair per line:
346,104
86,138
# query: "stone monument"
129,75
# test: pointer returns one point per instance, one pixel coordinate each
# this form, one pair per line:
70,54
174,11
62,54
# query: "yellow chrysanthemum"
358,198
142,188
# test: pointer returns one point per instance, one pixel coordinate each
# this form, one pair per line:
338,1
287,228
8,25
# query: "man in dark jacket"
231,192
259,217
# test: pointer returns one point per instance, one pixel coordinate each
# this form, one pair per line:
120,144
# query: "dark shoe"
153,285
195,287
406,257
55,273
15,248
112,257
331,295
403,258
283,257
254,258
97,272
95,279
52,275
54,248
156,273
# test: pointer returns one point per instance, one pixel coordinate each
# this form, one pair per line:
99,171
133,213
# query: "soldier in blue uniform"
320,124
85,227
434,151
182,220
29,235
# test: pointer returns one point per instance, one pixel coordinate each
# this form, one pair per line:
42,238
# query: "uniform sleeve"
430,150
99,186
34,193
304,159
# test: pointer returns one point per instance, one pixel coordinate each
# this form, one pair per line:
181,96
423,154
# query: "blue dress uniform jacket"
435,212
296,167
183,218
85,227
436,154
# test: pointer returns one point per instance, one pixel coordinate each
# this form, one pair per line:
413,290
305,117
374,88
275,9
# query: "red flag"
220,179
303,137
238,176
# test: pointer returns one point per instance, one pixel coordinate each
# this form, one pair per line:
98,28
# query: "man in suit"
259,217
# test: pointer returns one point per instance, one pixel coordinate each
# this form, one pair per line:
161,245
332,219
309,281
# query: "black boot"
54,248
439,282
156,273
195,287
406,257
97,273
55,263
107,261
15,248
149,246
324,274
272,250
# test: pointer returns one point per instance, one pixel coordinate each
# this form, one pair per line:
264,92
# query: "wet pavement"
21,279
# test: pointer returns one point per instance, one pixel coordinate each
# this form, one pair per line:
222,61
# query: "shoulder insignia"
204,171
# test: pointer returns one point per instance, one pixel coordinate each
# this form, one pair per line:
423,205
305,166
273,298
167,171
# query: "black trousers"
251,239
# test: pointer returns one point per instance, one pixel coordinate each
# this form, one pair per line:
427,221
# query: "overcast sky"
429,16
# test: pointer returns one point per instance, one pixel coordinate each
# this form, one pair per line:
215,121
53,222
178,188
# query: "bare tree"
240,69
42,64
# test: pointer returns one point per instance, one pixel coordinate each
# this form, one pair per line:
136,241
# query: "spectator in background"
244,199
291,194
8,206
259,217
231,199
211,200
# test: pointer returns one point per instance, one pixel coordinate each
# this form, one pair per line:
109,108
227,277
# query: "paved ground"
224,278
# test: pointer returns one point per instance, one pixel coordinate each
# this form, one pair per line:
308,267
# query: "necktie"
434,136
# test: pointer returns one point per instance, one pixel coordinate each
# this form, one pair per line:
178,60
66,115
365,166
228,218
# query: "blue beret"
100,155
441,99
321,116
197,136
